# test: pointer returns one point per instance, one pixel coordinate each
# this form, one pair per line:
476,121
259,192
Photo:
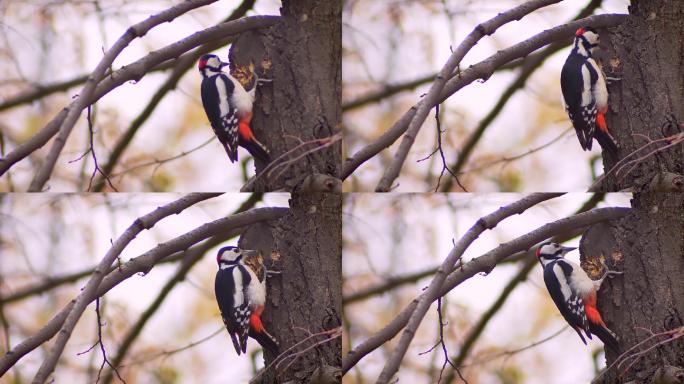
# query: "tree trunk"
302,55
647,54
648,246
306,296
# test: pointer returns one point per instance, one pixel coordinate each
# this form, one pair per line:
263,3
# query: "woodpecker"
575,293
229,109
585,97
240,289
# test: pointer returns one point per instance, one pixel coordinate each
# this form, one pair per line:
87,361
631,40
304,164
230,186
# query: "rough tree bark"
305,298
301,54
648,246
647,54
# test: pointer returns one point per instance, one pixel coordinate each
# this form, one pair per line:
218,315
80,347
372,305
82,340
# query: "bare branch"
447,360
527,70
447,71
389,284
393,282
135,31
431,293
445,166
386,91
40,91
92,152
483,264
181,67
87,294
481,70
192,256
105,360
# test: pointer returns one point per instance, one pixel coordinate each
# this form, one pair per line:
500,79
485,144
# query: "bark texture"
301,54
305,246
647,54
648,246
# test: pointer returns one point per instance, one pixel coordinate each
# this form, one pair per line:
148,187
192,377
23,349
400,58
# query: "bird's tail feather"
257,150
607,144
266,341
607,337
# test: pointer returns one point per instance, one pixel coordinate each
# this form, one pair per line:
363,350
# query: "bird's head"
587,38
552,251
210,63
231,255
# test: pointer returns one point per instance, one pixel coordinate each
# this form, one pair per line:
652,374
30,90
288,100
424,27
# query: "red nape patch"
580,32
538,252
202,64
255,322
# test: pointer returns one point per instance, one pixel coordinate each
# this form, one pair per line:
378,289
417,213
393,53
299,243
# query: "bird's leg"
608,272
611,79
258,80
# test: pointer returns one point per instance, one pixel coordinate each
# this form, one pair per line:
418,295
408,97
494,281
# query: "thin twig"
92,151
102,347
444,349
284,354
168,353
159,162
445,166
670,140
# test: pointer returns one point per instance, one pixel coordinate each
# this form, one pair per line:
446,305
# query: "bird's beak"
568,249
224,65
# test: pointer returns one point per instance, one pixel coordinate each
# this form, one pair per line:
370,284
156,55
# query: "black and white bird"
240,289
574,293
229,109
585,96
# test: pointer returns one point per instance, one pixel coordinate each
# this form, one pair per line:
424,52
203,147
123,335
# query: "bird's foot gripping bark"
607,273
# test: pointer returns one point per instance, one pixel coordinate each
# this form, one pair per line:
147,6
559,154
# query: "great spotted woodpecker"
585,96
229,109
574,293
240,289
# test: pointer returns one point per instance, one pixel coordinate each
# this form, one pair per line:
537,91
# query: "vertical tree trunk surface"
647,54
302,56
648,246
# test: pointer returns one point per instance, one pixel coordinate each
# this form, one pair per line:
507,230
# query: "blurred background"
391,52
393,243
55,43
59,237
